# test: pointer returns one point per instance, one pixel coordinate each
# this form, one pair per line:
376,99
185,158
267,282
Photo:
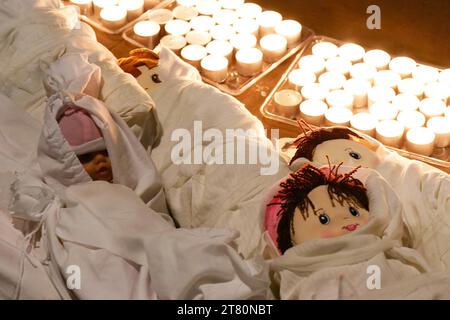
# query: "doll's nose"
99,158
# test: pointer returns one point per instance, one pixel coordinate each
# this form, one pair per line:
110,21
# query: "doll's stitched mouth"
351,227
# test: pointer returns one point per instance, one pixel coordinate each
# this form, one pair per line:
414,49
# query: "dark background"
416,28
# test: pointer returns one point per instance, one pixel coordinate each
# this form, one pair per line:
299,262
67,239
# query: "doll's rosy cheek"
327,234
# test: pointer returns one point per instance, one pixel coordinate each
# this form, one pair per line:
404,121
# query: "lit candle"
380,94
406,102
193,54
441,128
287,103
359,88
225,16
113,17
298,78
339,65
420,141
437,90
340,98
174,43
185,13
249,61
447,112
245,25
219,47
332,80
150,4
100,4
411,86
313,111
249,10
201,38
426,74
160,16
365,123
242,40
215,68
432,107
202,23
379,59
222,32
383,110
314,91
84,5
390,133
187,3
231,4
404,66
147,33
387,78
177,27
338,116
291,30
411,119
313,63
267,21
363,71
273,47
134,8
208,7
352,52
325,50
444,77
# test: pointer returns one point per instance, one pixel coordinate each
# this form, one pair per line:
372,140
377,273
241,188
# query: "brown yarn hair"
294,195
138,57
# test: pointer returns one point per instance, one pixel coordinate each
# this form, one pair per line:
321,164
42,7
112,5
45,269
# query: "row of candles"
394,100
213,35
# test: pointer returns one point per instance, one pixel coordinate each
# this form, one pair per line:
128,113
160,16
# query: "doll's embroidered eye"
155,78
324,218
354,212
354,155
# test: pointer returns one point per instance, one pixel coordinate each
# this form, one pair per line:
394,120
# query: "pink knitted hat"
80,131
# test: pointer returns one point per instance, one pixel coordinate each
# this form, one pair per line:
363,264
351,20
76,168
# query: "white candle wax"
193,54
420,140
390,133
340,98
338,116
201,38
411,86
380,94
387,78
313,63
379,59
242,40
437,90
84,5
185,13
325,50
150,4
160,16
447,112
100,4
202,23
444,77
313,111
187,3
219,47
365,123
291,30
359,88
383,110
411,119
352,52
249,61
287,103
249,10
246,25
363,71
147,33
113,17
208,7
406,102
174,43
314,91
215,68
404,66
273,47
426,74
177,27
299,78
432,107
267,21
225,16
222,32
339,65
441,128
134,8
231,4
332,80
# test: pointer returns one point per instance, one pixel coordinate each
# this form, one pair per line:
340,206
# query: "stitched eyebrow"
316,211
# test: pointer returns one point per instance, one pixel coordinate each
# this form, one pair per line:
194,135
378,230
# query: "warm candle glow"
441,128
299,78
411,86
363,71
202,23
201,38
249,61
420,140
387,78
100,4
113,17
364,122
404,66
208,7
249,10
426,74
411,119
314,91
273,47
313,63
390,132
383,110
340,98
313,111
338,116
231,4
380,94
247,26
444,77
432,107
332,80
291,30
225,16
406,102
187,3
243,40
84,5
193,54
325,50
287,103
267,21
215,68
218,47
379,59
185,13
222,32
160,16
437,90
147,33
173,42
352,52
177,27
339,65
359,88
134,8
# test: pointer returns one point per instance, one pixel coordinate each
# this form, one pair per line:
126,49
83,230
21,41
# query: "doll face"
327,220
97,165
353,153
149,78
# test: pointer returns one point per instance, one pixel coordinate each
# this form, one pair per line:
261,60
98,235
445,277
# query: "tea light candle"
267,21
249,61
299,78
379,59
338,116
219,47
246,25
150,4
444,77
411,119
359,88
202,23
193,54
208,7
84,5
380,94
273,47
187,3
225,16
441,128
147,33
113,17
364,122
404,66
313,111
231,4
134,8
351,52
339,65
287,103
177,27
437,90
100,4
291,30
243,40
201,38
222,32
215,68
432,107
387,78
390,133
249,10
426,74
411,86
363,71
340,98
313,63
332,80
174,43
383,110
325,50
420,140
314,91
160,16
447,112
185,13
406,102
